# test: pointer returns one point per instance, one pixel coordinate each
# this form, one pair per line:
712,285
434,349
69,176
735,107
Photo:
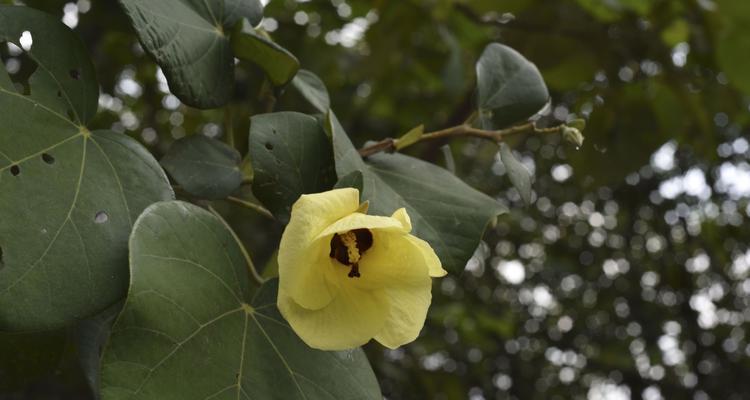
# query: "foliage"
627,275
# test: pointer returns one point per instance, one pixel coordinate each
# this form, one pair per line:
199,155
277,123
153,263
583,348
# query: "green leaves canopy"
444,210
204,167
510,87
188,39
291,156
191,327
68,196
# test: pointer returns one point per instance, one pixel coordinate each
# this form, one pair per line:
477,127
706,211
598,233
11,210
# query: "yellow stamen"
349,239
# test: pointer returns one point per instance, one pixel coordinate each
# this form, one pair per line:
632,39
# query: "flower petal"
408,310
431,259
349,321
303,261
393,260
359,221
403,217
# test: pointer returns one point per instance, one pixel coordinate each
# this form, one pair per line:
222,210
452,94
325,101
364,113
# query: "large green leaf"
204,167
312,89
444,210
188,39
68,196
280,65
89,338
291,156
511,89
190,330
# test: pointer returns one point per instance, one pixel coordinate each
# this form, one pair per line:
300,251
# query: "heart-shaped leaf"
68,196
278,62
190,330
291,156
312,89
189,40
444,210
511,89
204,167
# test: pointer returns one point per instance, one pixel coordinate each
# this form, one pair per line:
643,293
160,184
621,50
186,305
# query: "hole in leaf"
48,158
75,74
101,217
269,146
59,93
2,262
15,170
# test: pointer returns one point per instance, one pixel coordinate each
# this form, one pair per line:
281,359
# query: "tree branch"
463,130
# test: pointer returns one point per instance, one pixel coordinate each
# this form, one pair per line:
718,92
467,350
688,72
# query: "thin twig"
252,206
250,266
463,130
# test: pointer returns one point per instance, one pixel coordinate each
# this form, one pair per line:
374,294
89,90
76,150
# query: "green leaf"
312,89
519,175
188,39
204,167
190,330
68,196
89,337
351,180
511,89
409,138
291,156
278,62
453,75
444,211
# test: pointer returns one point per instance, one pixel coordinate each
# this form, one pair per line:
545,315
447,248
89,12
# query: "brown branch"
463,130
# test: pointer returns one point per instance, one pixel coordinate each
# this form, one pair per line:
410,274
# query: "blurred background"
629,276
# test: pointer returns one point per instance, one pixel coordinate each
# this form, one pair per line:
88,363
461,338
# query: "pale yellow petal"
317,211
349,321
359,221
313,283
392,260
303,262
408,310
403,217
431,259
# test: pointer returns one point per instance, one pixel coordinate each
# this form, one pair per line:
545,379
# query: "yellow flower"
346,277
